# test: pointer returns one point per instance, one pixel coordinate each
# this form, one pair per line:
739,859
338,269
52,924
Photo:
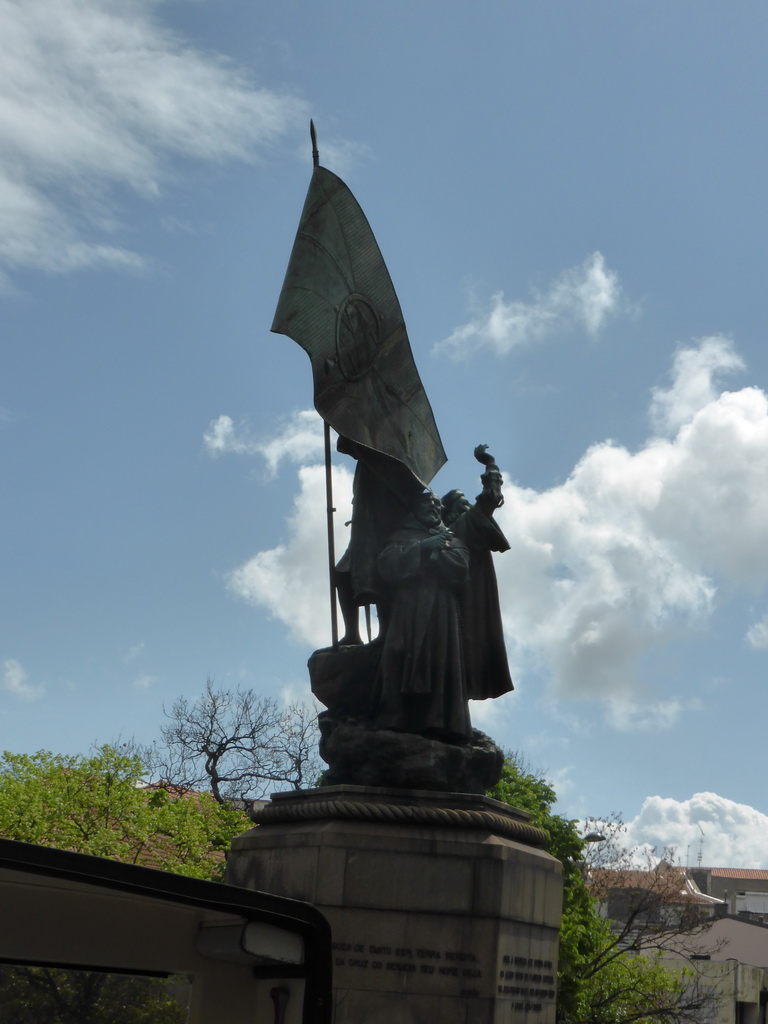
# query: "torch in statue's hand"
481,454
491,497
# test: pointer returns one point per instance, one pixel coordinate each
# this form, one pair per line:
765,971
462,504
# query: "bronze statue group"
429,571
425,564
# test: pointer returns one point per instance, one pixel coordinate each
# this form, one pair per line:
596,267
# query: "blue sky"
570,198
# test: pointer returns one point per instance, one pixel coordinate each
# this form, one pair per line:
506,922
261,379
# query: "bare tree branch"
237,743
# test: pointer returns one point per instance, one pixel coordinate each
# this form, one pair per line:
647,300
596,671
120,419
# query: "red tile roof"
758,874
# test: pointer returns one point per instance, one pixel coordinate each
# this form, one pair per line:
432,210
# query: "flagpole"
331,546
313,137
329,509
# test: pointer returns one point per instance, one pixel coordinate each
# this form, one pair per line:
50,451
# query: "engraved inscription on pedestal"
524,985
529,983
461,969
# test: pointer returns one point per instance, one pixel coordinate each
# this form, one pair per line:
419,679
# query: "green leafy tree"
97,804
605,975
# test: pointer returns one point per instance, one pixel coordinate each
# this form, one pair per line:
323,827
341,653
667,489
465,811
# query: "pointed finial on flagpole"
313,136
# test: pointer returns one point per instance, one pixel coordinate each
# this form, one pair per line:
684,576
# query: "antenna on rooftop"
701,844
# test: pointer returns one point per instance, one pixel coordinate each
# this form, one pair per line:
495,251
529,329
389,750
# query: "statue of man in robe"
421,680
485,654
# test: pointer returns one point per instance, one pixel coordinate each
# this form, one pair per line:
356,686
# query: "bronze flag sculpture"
339,304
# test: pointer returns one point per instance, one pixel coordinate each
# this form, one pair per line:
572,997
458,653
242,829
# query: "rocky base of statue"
359,755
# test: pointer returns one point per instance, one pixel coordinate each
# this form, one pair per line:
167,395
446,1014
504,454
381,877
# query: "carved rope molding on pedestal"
402,813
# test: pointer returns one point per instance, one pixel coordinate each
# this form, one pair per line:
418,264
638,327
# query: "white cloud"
144,681
300,439
624,713
757,634
734,835
588,585
95,97
695,373
134,652
291,580
623,556
221,438
488,715
14,681
582,296
294,694
633,547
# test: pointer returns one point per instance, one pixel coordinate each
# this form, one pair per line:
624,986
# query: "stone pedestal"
445,907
